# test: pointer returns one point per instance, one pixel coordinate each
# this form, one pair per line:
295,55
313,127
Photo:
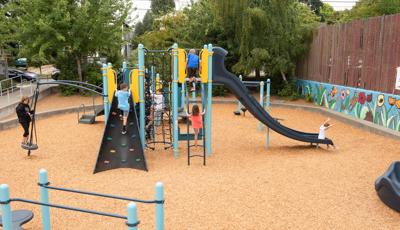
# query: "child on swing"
24,114
197,122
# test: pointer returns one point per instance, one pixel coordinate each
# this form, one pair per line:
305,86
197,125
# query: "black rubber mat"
119,150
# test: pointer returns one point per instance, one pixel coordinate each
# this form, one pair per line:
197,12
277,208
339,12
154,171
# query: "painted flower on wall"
391,101
333,91
362,98
342,94
369,116
369,97
398,104
381,100
348,92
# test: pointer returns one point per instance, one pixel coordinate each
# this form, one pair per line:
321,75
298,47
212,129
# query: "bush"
309,97
289,90
219,90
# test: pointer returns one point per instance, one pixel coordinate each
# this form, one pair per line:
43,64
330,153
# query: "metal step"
87,119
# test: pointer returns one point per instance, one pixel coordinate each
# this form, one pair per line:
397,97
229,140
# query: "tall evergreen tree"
161,7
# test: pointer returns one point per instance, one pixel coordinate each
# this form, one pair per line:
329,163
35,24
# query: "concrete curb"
11,123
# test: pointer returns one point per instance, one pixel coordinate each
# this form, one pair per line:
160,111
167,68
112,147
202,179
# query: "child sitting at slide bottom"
197,122
123,104
322,129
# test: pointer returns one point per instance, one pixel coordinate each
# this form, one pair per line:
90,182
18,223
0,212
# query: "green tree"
162,7
371,8
328,14
76,29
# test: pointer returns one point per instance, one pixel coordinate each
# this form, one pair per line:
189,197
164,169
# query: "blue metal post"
141,94
194,92
260,125
44,198
267,104
132,216
6,217
209,100
105,93
239,104
183,97
153,78
175,99
123,73
160,206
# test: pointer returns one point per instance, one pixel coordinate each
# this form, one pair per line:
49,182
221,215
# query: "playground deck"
243,186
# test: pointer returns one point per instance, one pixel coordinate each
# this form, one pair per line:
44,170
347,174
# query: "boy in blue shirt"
192,67
123,104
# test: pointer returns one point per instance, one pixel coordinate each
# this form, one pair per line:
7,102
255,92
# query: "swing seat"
30,146
19,218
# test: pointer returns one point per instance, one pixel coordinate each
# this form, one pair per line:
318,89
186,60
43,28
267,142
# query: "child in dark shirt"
24,114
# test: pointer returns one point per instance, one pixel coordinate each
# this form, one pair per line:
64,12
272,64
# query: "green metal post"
260,125
44,198
209,100
175,100
141,95
105,93
267,104
6,217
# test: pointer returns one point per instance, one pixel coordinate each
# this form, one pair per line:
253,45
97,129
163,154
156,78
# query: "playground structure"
8,222
127,151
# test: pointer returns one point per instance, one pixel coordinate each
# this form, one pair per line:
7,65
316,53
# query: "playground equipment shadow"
243,186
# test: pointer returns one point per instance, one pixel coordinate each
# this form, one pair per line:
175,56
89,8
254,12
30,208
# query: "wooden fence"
362,53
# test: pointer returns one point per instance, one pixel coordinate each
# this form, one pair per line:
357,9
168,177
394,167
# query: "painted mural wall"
380,108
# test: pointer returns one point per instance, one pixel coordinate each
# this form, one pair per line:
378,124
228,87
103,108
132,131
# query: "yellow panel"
112,83
158,83
204,65
181,65
134,75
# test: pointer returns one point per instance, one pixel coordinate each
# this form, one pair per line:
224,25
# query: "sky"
143,5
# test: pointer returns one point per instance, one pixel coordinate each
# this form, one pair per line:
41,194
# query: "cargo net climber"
157,106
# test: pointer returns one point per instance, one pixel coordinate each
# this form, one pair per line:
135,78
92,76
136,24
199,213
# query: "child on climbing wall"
192,67
197,122
322,129
24,114
123,104
157,106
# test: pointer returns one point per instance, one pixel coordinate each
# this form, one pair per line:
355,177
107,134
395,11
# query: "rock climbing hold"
113,151
106,162
109,138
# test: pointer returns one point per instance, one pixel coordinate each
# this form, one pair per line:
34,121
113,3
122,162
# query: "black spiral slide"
120,150
222,76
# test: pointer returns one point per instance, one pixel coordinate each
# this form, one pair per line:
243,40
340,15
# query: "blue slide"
228,79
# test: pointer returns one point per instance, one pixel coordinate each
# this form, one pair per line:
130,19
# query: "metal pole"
260,125
209,100
123,73
153,77
44,198
30,84
20,87
6,217
183,97
175,99
194,92
141,94
8,96
132,216
267,104
160,206
1,89
239,104
105,93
